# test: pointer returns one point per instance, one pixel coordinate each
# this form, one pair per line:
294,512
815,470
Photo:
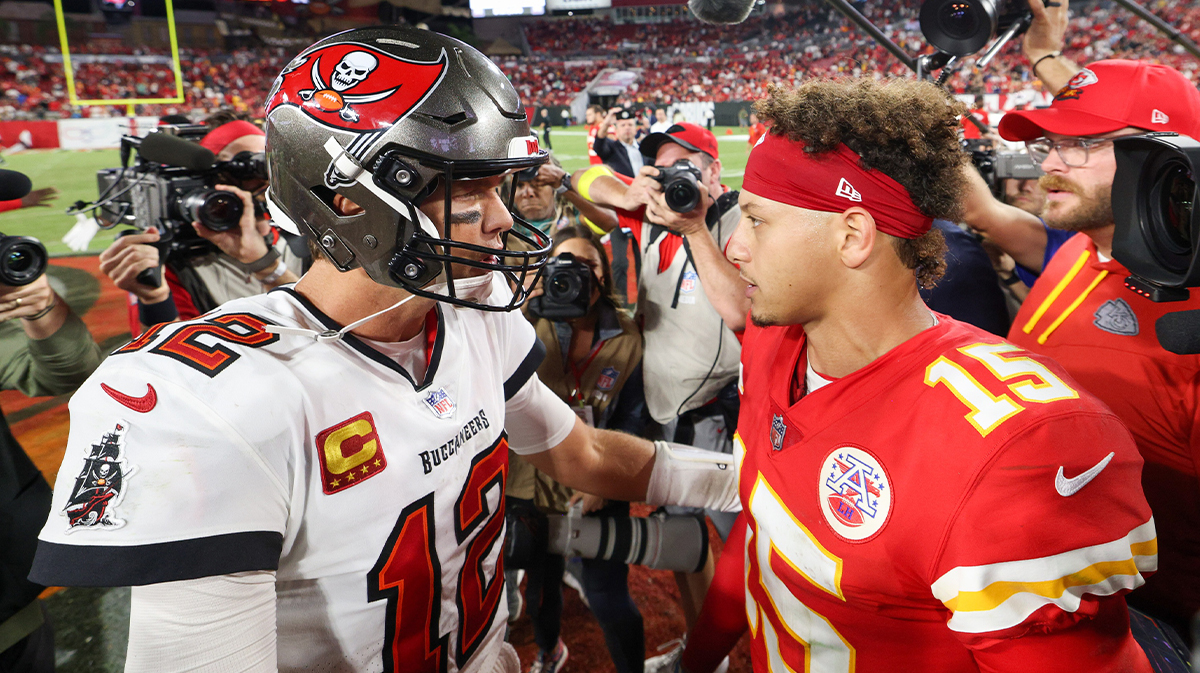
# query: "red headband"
218,138
779,169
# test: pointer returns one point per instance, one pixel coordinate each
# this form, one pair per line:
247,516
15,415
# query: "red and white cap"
1110,95
685,134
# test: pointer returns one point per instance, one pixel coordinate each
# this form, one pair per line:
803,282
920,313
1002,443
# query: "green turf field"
73,172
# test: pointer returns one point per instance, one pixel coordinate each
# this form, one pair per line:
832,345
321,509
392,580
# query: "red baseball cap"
1110,95
685,134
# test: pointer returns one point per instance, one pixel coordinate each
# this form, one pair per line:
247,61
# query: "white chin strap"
476,287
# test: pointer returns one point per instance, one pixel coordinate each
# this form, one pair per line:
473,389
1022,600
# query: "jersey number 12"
408,574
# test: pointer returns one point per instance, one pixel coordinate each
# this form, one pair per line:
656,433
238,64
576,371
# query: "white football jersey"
213,447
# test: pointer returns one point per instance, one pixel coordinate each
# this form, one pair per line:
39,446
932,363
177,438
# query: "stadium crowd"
680,61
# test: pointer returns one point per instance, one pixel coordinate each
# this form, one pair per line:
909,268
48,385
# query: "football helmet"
383,116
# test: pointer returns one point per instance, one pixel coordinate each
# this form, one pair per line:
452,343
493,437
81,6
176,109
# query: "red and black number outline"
185,347
410,555
412,587
477,597
143,340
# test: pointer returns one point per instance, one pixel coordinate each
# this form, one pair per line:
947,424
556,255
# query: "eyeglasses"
1073,152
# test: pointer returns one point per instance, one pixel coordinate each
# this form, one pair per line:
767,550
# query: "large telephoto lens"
22,260
959,27
957,20
215,209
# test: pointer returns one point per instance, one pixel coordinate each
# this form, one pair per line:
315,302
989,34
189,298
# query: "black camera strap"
191,283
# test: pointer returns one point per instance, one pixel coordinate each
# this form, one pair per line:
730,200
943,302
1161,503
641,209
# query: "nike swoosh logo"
141,404
1068,487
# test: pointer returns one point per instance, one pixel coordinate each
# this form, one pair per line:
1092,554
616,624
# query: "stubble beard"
1094,210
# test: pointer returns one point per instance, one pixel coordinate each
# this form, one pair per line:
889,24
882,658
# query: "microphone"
13,185
171,150
721,11
1179,332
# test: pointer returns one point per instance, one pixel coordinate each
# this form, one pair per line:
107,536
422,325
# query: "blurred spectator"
620,151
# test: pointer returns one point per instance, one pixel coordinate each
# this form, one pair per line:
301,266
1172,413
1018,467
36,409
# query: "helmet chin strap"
475,286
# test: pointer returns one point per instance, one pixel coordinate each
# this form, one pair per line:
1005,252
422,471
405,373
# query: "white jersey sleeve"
536,419
521,352
162,483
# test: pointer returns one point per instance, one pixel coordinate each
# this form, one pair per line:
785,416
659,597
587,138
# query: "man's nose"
737,251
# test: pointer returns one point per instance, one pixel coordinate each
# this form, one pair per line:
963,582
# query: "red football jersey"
957,505
1081,314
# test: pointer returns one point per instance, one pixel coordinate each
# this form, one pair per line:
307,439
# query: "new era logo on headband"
847,191
1159,117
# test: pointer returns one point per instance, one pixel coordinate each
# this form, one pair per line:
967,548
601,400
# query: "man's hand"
39,198
26,300
550,174
591,503
1047,33
127,257
658,212
244,243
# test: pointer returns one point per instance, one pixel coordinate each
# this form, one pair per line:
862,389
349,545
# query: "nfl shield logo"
440,403
778,430
688,284
607,379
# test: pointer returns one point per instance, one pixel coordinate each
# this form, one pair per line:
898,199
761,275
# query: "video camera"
567,289
962,27
170,185
1157,234
996,166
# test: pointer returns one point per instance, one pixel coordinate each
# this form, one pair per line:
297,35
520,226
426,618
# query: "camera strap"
687,250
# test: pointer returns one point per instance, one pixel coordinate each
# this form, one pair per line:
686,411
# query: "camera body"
23,260
1157,234
996,166
681,185
567,289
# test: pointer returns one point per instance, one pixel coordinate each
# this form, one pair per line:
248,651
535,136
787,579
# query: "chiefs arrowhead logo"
355,87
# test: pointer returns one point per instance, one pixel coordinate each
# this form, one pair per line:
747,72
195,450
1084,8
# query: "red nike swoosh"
141,404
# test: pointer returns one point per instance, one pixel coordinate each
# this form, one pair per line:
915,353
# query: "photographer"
689,297
546,200
1080,313
588,361
249,258
45,349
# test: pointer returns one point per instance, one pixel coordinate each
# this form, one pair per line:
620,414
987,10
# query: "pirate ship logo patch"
100,486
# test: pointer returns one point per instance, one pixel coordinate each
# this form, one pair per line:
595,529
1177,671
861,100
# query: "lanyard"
577,372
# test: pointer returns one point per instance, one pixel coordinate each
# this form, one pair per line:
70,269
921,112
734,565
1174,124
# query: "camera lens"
958,21
1177,197
217,210
562,287
22,260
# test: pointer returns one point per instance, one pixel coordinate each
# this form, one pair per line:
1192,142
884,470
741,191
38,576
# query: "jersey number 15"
988,411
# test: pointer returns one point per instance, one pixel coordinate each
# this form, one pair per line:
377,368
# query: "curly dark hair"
224,116
906,129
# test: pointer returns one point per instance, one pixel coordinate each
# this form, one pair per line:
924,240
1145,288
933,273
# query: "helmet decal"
354,87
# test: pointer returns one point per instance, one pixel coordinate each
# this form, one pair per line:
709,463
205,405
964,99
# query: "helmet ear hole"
339,204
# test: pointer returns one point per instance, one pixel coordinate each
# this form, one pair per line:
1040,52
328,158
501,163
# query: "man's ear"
345,207
857,236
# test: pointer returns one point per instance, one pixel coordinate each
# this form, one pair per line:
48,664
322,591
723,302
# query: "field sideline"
73,172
